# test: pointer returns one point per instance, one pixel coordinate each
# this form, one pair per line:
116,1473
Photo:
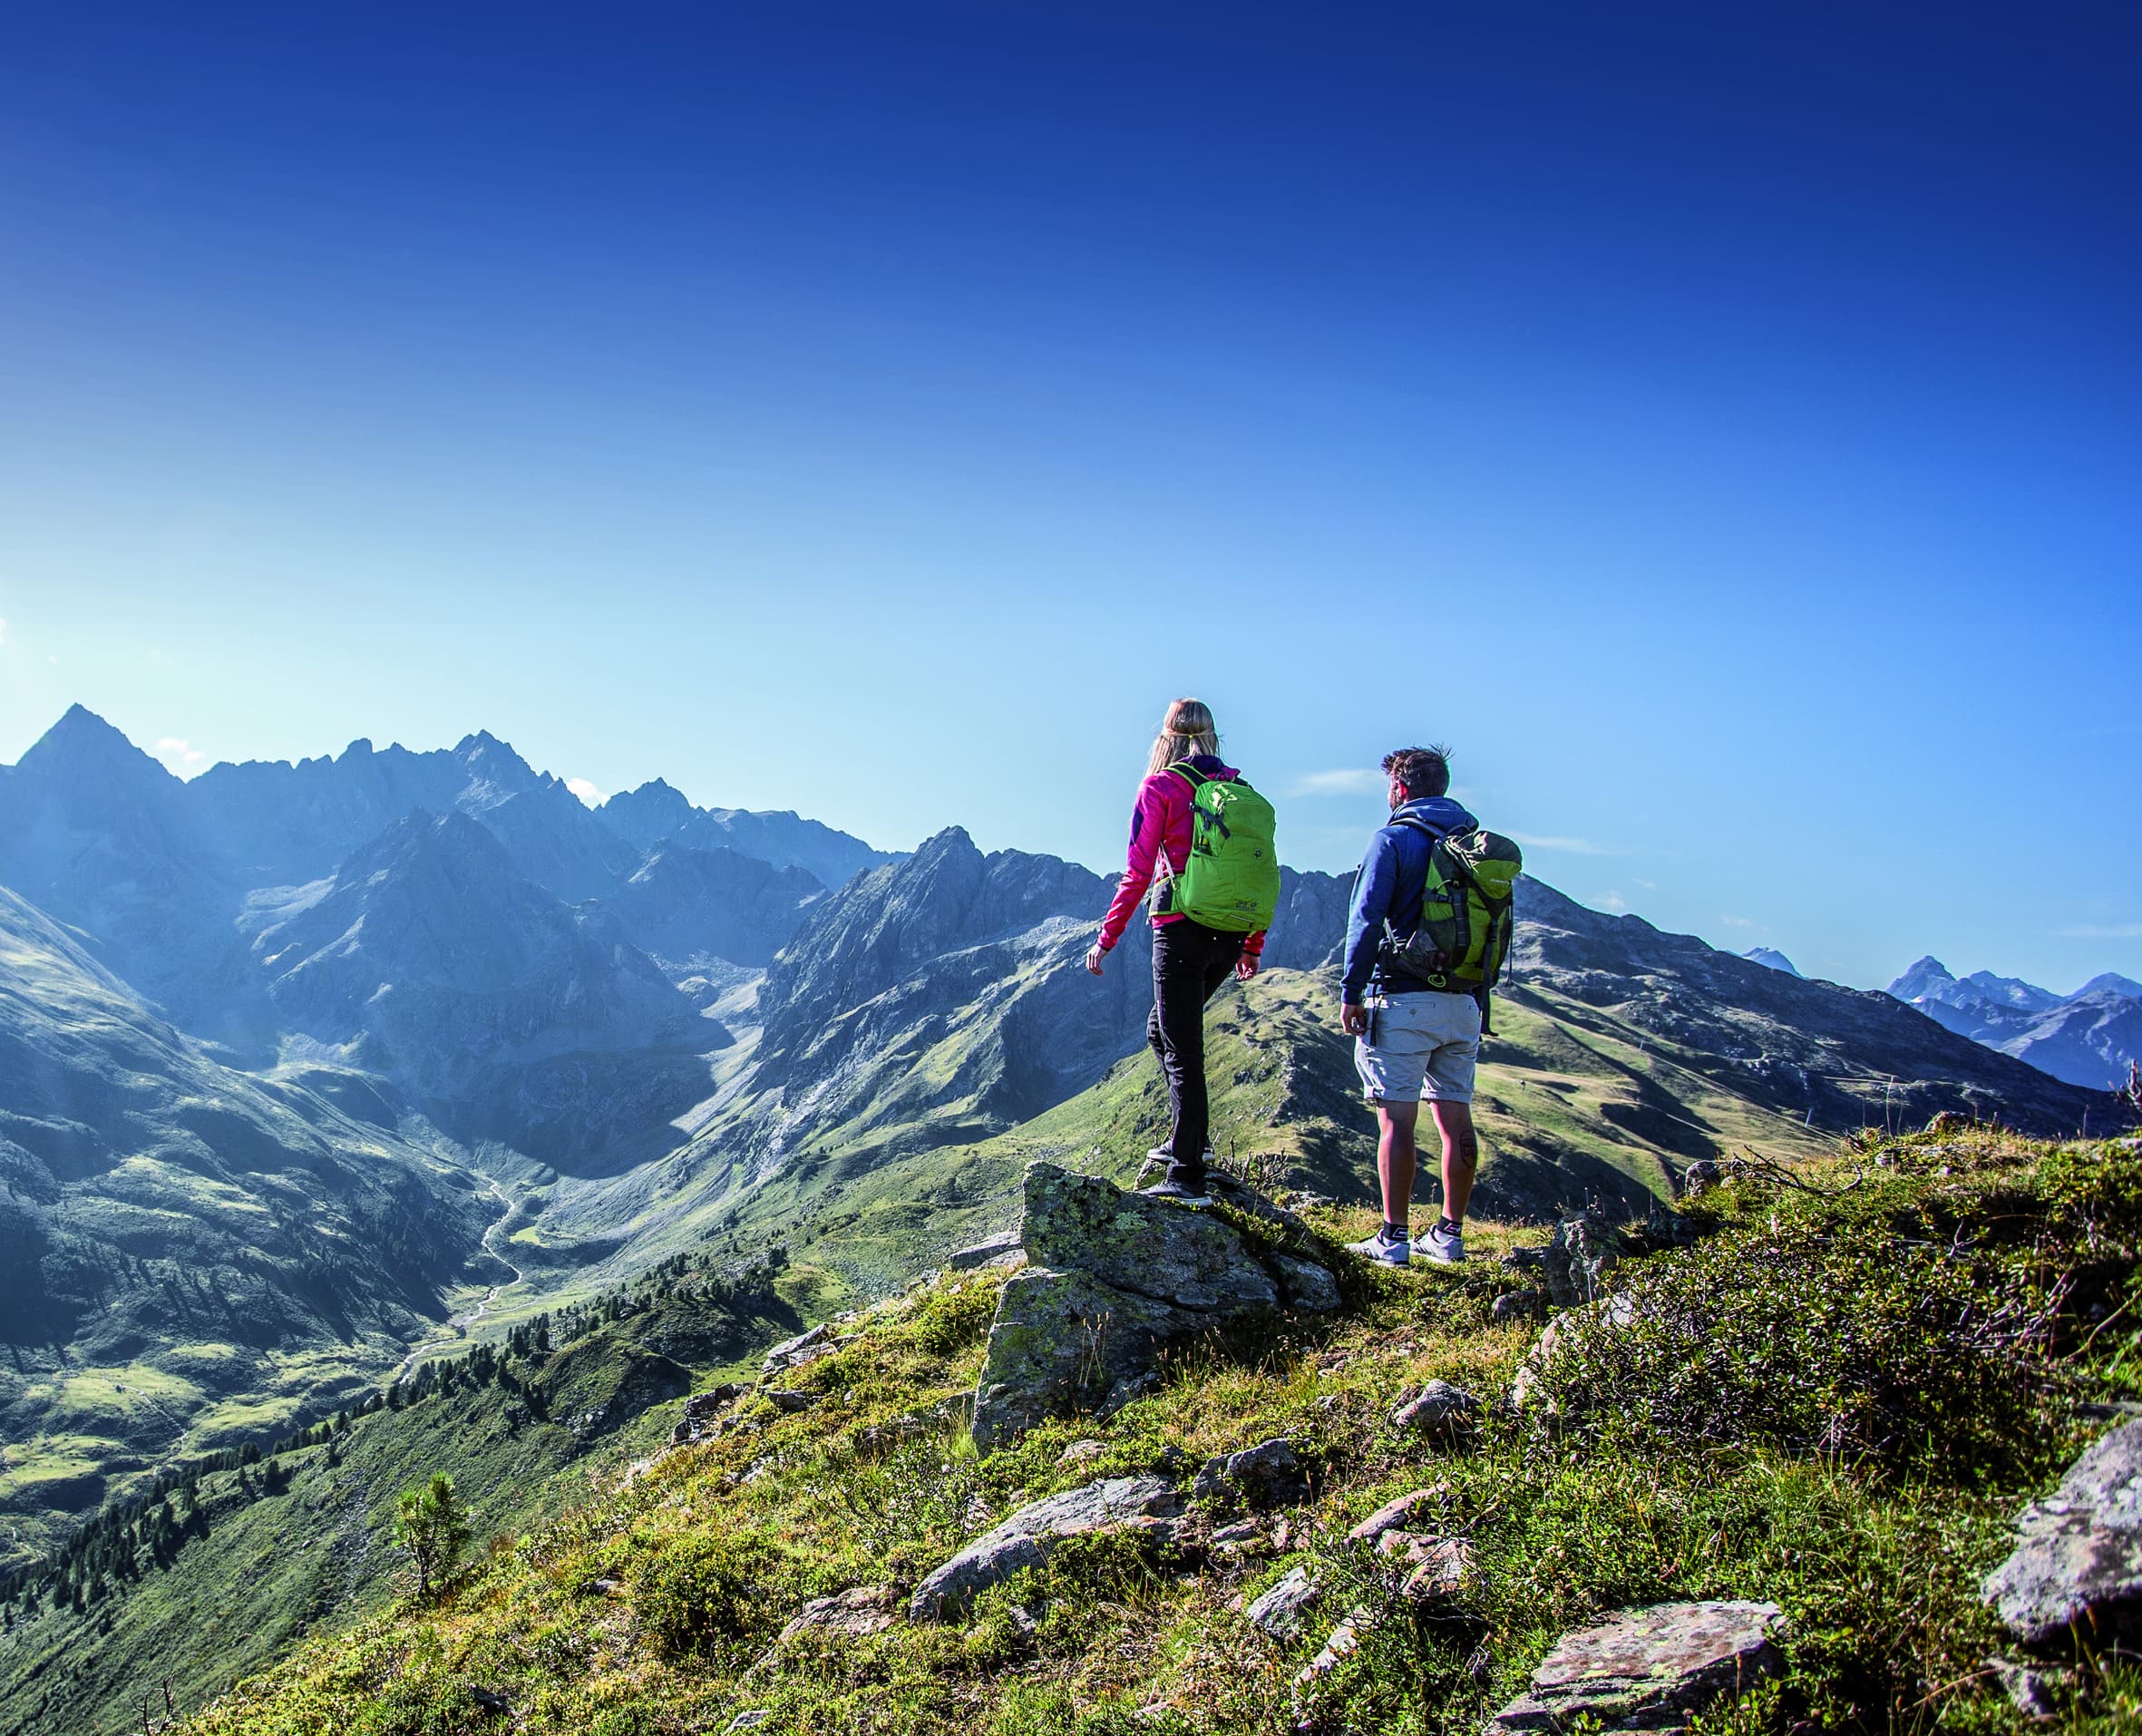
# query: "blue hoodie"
1389,887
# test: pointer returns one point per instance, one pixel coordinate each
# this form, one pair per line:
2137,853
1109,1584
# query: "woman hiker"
1205,837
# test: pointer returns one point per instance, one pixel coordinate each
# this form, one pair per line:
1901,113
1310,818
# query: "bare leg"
1461,1155
1395,1158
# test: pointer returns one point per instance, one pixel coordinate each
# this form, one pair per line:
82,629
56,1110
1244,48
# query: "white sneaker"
1445,1247
1385,1254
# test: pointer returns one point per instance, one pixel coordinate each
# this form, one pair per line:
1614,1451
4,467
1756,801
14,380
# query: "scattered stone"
1125,1391
752,1719
1438,1406
1303,1201
788,1400
1439,1565
1344,1638
862,1609
1526,1259
606,1587
2080,1550
1079,1451
1029,1536
1580,1252
1240,1531
1113,1278
1306,1285
489,1698
1394,1513
1002,1246
1642,1668
2030,1688
1278,1611
1521,1304
1269,1474
702,1413
795,1352
1700,1177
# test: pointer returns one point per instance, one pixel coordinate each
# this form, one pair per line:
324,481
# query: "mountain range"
307,1069
2091,1038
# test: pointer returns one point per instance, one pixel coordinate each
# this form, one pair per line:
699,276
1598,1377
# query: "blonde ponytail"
1186,729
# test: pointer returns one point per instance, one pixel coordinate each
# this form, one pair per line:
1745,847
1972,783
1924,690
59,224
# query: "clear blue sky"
1721,424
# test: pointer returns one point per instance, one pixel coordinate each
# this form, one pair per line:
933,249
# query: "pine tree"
432,1525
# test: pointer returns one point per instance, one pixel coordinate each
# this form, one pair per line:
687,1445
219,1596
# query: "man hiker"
1412,1040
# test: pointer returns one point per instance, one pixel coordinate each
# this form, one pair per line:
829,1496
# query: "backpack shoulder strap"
1190,775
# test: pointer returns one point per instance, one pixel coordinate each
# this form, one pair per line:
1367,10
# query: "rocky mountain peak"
1924,975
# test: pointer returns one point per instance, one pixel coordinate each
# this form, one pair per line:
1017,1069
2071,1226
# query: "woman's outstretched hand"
1094,957
1245,966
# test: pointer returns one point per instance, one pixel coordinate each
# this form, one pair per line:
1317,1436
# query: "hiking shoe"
1175,1191
1386,1253
1445,1247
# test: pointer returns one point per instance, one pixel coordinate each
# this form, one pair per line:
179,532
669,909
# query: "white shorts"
1422,1045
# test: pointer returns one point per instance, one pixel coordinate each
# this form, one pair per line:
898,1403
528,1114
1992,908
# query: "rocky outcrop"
1439,1408
2079,1557
1270,1474
1579,1255
1648,1669
1030,1537
851,1615
1113,1279
1278,1611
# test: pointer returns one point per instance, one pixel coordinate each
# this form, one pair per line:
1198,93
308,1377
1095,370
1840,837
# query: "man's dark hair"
1423,771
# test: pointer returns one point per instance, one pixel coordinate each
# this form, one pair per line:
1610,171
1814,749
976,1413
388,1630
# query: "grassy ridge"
653,1608
266,1553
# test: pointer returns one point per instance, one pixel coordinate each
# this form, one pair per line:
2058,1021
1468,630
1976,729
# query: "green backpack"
1467,911
1232,880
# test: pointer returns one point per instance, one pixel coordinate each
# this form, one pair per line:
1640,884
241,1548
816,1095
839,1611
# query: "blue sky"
1722,430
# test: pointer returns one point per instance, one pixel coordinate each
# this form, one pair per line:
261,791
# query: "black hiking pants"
1189,961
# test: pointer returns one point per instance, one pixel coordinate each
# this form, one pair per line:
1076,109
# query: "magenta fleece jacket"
1160,833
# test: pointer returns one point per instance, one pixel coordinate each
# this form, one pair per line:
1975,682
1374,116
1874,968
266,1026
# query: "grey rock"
2032,1689
1339,1643
1580,1252
793,1353
1029,1536
1269,1474
1438,1406
1307,1285
1392,1514
1612,1315
1280,1610
1645,1669
1524,1259
1700,1177
789,1400
852,1613
1240,1531
1520,1304
1002,1246
1189,1259
2081,1548
1115,1278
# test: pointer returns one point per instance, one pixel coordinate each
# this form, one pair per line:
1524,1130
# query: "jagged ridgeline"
310,1073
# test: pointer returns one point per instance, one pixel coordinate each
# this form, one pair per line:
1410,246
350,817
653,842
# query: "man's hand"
1094,957
1245,966
1353,1021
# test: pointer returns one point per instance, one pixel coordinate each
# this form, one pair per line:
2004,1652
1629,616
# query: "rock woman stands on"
1192,957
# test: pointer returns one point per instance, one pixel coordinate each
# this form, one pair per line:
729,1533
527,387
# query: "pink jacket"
1161,832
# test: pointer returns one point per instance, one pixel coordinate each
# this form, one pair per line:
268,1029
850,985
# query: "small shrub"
1854,1347
955,1318
700,1595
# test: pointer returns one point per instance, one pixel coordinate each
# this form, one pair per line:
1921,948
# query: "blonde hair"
1186,729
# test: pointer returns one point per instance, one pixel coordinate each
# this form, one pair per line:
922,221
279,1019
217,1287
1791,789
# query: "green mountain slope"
189,1256
256,1557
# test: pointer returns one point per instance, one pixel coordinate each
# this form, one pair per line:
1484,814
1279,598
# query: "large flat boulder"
2080,1554
1030,1537
1113,1279
1648,1669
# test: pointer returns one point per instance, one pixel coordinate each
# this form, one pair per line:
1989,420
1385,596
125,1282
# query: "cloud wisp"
585,791
1352,780
1568,846
180,754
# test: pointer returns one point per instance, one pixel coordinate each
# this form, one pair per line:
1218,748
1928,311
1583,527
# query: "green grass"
652,1606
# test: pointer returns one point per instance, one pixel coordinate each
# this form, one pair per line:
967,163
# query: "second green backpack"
1232,880
1467,911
